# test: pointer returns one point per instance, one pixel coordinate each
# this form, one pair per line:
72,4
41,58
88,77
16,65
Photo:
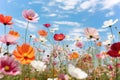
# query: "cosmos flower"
91,33
76,72
47,25
8,39
24,53
38,65
42,33
59,37
6,20
30,15
8,66
109,23
114,50
79,44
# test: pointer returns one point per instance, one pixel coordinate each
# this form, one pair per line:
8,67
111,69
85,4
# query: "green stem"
26,31
112,33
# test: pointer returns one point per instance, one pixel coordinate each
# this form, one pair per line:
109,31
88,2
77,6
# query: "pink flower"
8,39
79,44
47,25
9,66
100,56
30,15
91,33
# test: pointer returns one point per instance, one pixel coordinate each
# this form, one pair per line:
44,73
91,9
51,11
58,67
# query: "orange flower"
14,33
74,55
6,20
24,53
99,43
42,33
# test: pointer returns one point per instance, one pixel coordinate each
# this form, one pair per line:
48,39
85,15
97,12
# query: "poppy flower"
47,25
8,39
59,37
114,50
30,15
42,33
24,53
6,20
74,55
14,33
91,33
9,66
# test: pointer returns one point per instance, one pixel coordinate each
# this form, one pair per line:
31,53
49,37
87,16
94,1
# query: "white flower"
109,23
42,39
107,42
76,72
111,37
52,30
38,65
32,36
52,79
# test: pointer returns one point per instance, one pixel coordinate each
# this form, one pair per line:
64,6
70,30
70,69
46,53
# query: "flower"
6,20
100,55
8,39
74,55
52,79
91,33
24,53
114,50
14,33
79,44
38,65
52,30
76,72
47,25
9,66
59,37
42,33
109,23
30,15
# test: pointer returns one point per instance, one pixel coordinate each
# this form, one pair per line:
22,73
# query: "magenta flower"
47,25
79,44
8,66
30,15
8,39
91,33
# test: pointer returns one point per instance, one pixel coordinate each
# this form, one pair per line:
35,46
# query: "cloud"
68,23
23,24
36,2
109,4
102,30
52,15
111,13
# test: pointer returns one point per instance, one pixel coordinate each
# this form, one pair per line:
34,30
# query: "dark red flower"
6,20
47,25
59,37
114,50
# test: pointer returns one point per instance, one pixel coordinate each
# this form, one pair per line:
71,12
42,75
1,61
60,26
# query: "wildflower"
52,30
79,44
9,66
38,65
114,50
42,33
76,72
100,56
63,77
98,43
91,33
6,20
52,79
59,37
47,25
30,15
24,53
8,39
109,23
14,33
74,55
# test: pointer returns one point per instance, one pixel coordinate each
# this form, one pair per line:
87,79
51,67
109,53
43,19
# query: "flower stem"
26,31
4,29
116,78
112,33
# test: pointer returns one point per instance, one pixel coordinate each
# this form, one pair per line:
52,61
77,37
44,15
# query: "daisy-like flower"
76,72
30,15
109,23
91,33
38,65
79,44
9,66
52,79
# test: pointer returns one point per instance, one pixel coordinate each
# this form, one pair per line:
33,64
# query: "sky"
70,16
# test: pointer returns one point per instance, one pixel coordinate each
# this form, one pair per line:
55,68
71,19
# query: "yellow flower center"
7,68
119,52
25,55
29,17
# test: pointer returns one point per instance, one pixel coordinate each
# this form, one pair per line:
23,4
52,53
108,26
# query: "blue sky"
70,16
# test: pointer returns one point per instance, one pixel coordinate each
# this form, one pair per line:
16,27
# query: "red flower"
6,20
59,37
47,25
114,50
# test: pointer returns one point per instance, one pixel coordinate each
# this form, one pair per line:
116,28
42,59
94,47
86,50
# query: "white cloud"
23,24
111,13
109,4
36,2
102,30
69,23
52,15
